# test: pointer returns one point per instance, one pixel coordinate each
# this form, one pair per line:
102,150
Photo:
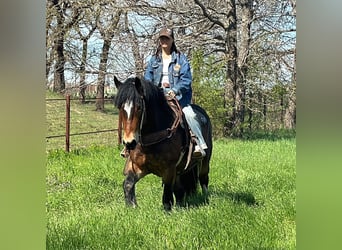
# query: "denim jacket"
179,76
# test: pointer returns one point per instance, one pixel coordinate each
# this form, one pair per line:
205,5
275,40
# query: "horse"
157,142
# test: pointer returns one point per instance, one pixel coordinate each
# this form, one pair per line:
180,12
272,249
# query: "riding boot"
199,150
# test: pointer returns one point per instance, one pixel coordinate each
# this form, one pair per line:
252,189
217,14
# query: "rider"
170,69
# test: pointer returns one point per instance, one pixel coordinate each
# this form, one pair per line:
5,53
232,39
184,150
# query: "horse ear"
138,85
117,82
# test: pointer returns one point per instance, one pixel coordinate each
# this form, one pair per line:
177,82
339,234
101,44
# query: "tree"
85,32
65,16
272,63
235,55
107,27
290,116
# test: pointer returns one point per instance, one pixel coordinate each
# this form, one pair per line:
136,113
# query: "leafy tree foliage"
208,88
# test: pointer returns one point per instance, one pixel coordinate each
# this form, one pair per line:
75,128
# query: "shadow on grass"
246,198
195,200
199,199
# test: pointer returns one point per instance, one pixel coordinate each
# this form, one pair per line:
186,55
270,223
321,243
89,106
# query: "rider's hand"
171,94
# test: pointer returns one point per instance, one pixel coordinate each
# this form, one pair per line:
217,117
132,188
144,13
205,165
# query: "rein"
159,136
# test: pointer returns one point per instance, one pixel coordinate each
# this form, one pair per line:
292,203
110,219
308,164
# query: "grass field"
252,194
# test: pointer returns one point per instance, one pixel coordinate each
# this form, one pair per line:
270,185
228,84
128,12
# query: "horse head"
129,101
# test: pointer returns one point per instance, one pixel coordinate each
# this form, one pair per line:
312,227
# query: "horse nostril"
131,145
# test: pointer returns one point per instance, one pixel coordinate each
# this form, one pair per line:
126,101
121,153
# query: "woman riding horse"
157,143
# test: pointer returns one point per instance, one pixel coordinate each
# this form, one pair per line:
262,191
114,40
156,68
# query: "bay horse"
157,142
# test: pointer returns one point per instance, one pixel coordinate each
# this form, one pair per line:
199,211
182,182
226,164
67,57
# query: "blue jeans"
194,125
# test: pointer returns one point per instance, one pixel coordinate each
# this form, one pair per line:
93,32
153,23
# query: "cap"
166,32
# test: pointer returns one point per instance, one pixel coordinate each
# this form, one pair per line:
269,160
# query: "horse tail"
189,180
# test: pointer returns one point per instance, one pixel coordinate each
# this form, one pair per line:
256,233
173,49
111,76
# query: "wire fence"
73,124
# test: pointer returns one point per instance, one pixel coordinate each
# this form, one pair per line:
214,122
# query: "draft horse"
157,144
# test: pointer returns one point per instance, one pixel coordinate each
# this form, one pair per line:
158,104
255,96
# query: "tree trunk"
61,31
290,112
82,70
250,119
48,57
231,85
282,110
242,61
107,35
59,81
102,74
290,116
264,112
138,59
237,66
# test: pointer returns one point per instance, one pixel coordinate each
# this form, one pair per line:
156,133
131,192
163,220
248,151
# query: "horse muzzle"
130,145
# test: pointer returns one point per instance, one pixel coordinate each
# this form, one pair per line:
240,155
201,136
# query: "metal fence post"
67,124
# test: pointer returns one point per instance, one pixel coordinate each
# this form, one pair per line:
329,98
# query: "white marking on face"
128,108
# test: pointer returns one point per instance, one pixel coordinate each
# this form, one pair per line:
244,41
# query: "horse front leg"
129,189
168,181
133,173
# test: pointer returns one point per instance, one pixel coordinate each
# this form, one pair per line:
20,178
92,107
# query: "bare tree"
107,26
66,15
272,62
224,15
290,116
85,32
133,39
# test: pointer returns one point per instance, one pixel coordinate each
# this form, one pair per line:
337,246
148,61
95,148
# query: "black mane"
129,90
134,88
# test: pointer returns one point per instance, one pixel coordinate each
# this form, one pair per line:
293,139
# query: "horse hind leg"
204,178
169,179
204,184
179,191
168,200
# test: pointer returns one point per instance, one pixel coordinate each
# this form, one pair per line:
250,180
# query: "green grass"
252,192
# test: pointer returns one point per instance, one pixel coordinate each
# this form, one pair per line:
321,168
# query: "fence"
71,123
